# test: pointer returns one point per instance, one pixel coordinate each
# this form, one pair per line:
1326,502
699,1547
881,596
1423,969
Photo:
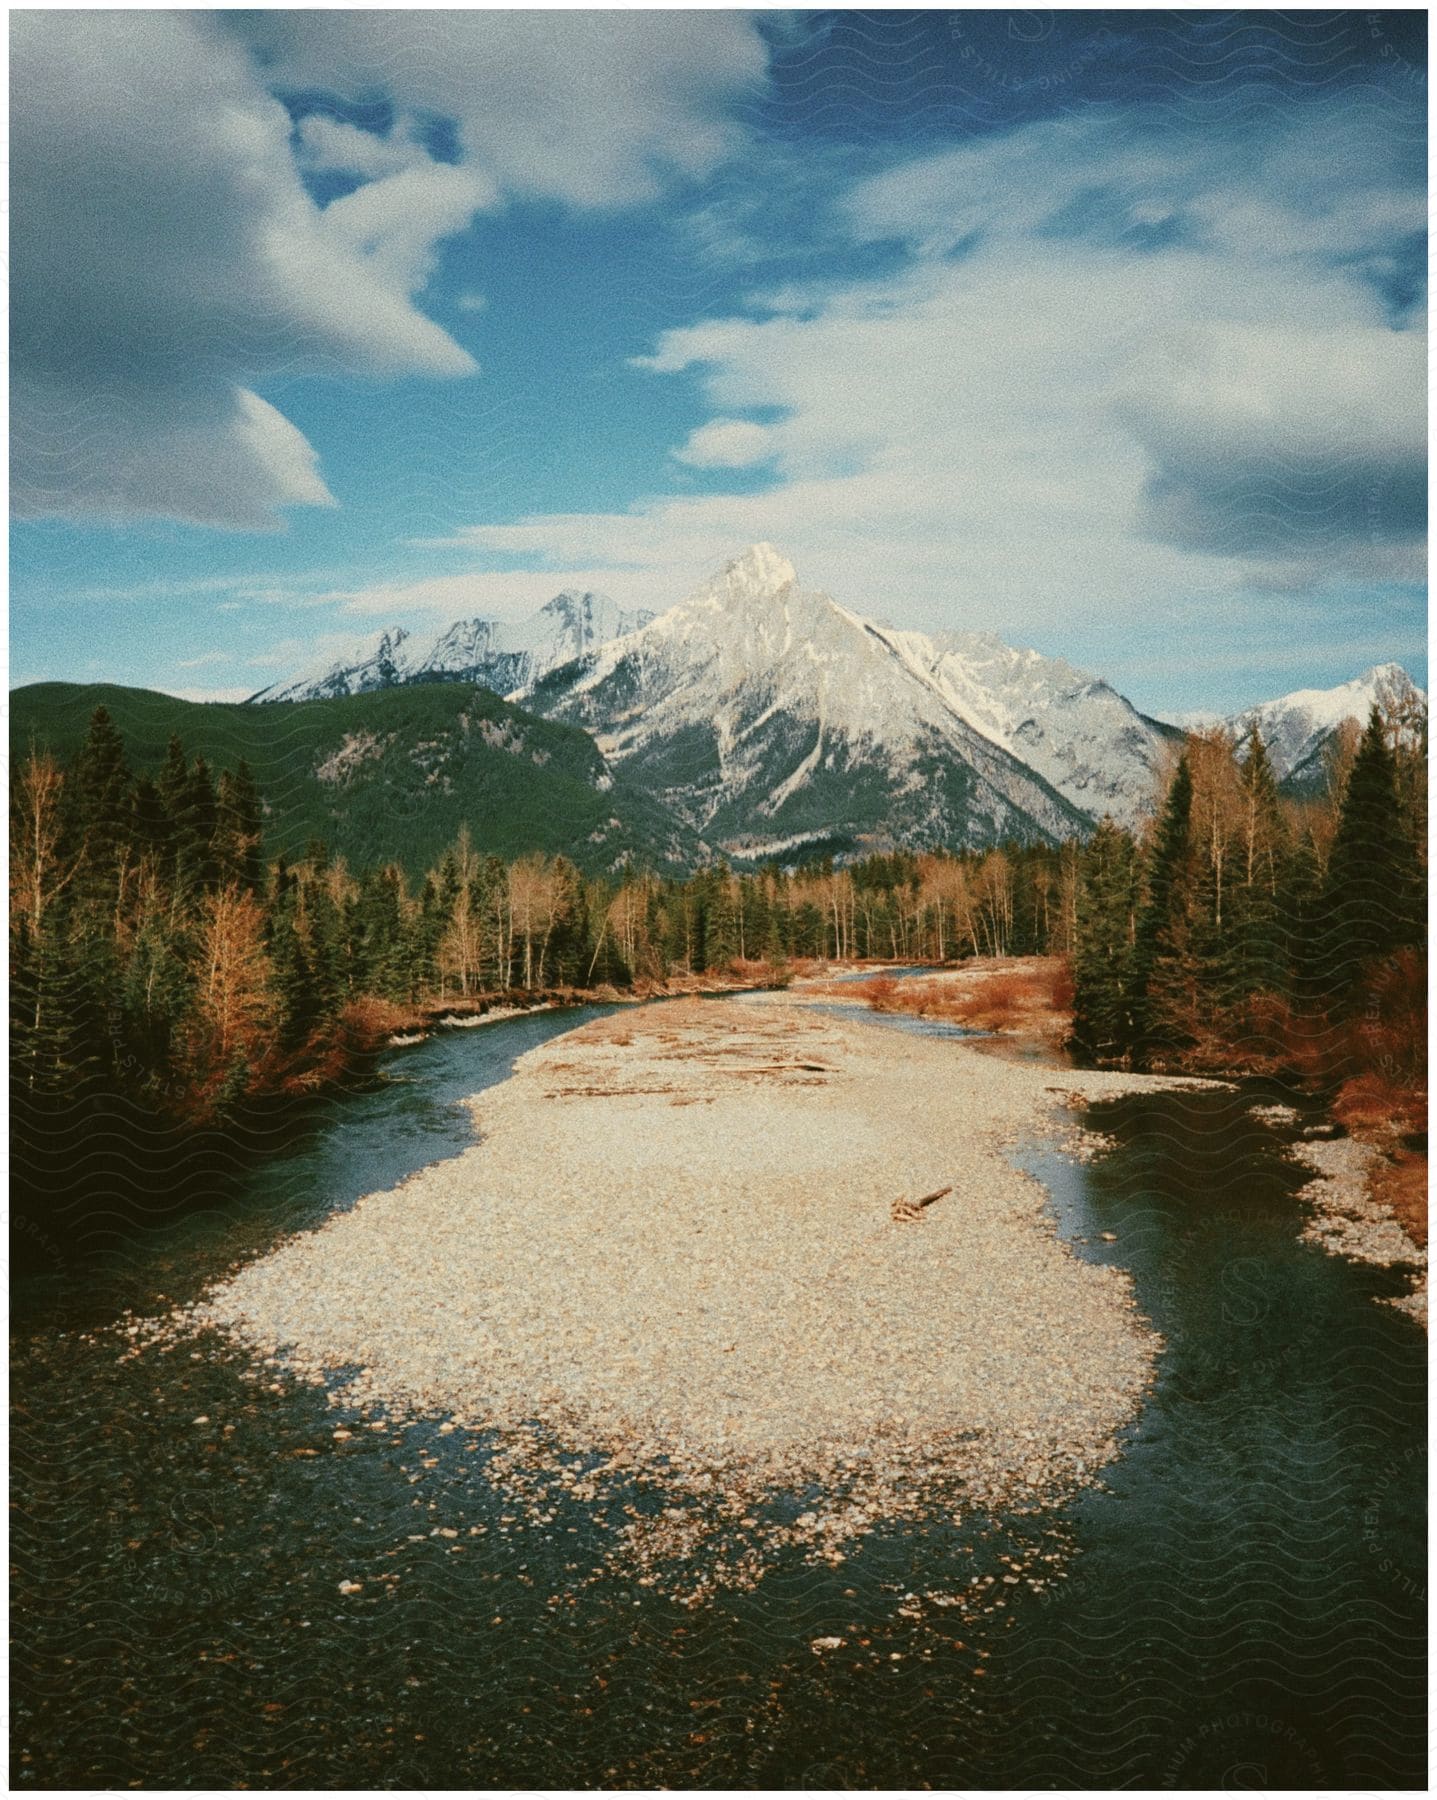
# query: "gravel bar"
675,1253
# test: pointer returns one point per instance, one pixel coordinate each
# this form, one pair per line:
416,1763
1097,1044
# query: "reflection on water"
891,972
1243,1605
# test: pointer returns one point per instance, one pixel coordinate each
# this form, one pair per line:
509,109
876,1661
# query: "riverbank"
1369,1192
507,1631
675,1260
372,1025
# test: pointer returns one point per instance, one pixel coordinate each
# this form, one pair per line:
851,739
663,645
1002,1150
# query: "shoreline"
677,1254
1368,1190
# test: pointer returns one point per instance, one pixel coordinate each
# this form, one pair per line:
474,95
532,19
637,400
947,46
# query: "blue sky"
1105,332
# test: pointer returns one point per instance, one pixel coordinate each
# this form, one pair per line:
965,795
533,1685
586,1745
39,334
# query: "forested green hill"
387,776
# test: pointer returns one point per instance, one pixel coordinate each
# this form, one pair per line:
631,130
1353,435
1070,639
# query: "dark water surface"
1244,1605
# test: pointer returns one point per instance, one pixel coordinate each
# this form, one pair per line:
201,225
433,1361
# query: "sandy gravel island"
674,1255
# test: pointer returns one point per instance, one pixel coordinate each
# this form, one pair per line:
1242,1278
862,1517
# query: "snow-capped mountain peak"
760,573
1296,727
767,713
494,653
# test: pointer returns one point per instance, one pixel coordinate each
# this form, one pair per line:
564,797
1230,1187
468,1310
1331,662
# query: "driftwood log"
910,1209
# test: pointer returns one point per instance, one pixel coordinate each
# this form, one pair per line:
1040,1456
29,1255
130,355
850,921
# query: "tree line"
157,953
1249,929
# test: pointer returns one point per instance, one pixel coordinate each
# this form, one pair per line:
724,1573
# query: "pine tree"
1103,961
238,830
1254,961
325,948
1371,903
97,798
381,951
1162,935
721,921
296,990
193,808
1299,907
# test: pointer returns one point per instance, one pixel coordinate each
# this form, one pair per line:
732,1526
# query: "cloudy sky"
1103,331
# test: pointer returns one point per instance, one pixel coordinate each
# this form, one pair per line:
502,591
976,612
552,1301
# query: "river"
1241,1605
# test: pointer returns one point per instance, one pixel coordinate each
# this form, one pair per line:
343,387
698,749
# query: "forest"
156,951
1250,932
158,954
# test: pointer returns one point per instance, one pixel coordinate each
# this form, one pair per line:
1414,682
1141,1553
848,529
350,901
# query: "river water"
1242,1604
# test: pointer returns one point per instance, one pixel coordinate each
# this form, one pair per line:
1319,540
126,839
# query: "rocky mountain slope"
768,716
768,719
490,652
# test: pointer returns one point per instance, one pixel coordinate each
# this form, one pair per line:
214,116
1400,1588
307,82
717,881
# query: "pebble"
1348,1222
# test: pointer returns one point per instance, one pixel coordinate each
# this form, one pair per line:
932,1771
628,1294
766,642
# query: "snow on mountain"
491,652
1297,727
767,714
1076,731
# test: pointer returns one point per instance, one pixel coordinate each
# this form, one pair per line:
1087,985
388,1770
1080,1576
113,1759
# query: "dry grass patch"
1400,1185
1031,996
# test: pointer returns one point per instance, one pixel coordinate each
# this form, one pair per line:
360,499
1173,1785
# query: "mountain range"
768,717
487,652
757,718
1298,728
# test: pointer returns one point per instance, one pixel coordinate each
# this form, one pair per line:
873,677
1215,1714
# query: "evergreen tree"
1299,907
97,798
381,952
296,989
1162,925
195,811
1253,948
721,920
150,829
1372,901
325,948
1104,961
238,830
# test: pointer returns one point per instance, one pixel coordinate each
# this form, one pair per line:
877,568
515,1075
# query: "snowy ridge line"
496,653
972,739
756,699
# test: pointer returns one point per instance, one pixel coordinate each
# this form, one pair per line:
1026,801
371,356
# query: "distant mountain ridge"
494,653
1298,727
766,719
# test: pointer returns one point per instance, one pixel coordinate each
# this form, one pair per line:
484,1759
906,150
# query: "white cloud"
726,444
1089,391
396,223
167,258
595,108
332,146
487,594
229,696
